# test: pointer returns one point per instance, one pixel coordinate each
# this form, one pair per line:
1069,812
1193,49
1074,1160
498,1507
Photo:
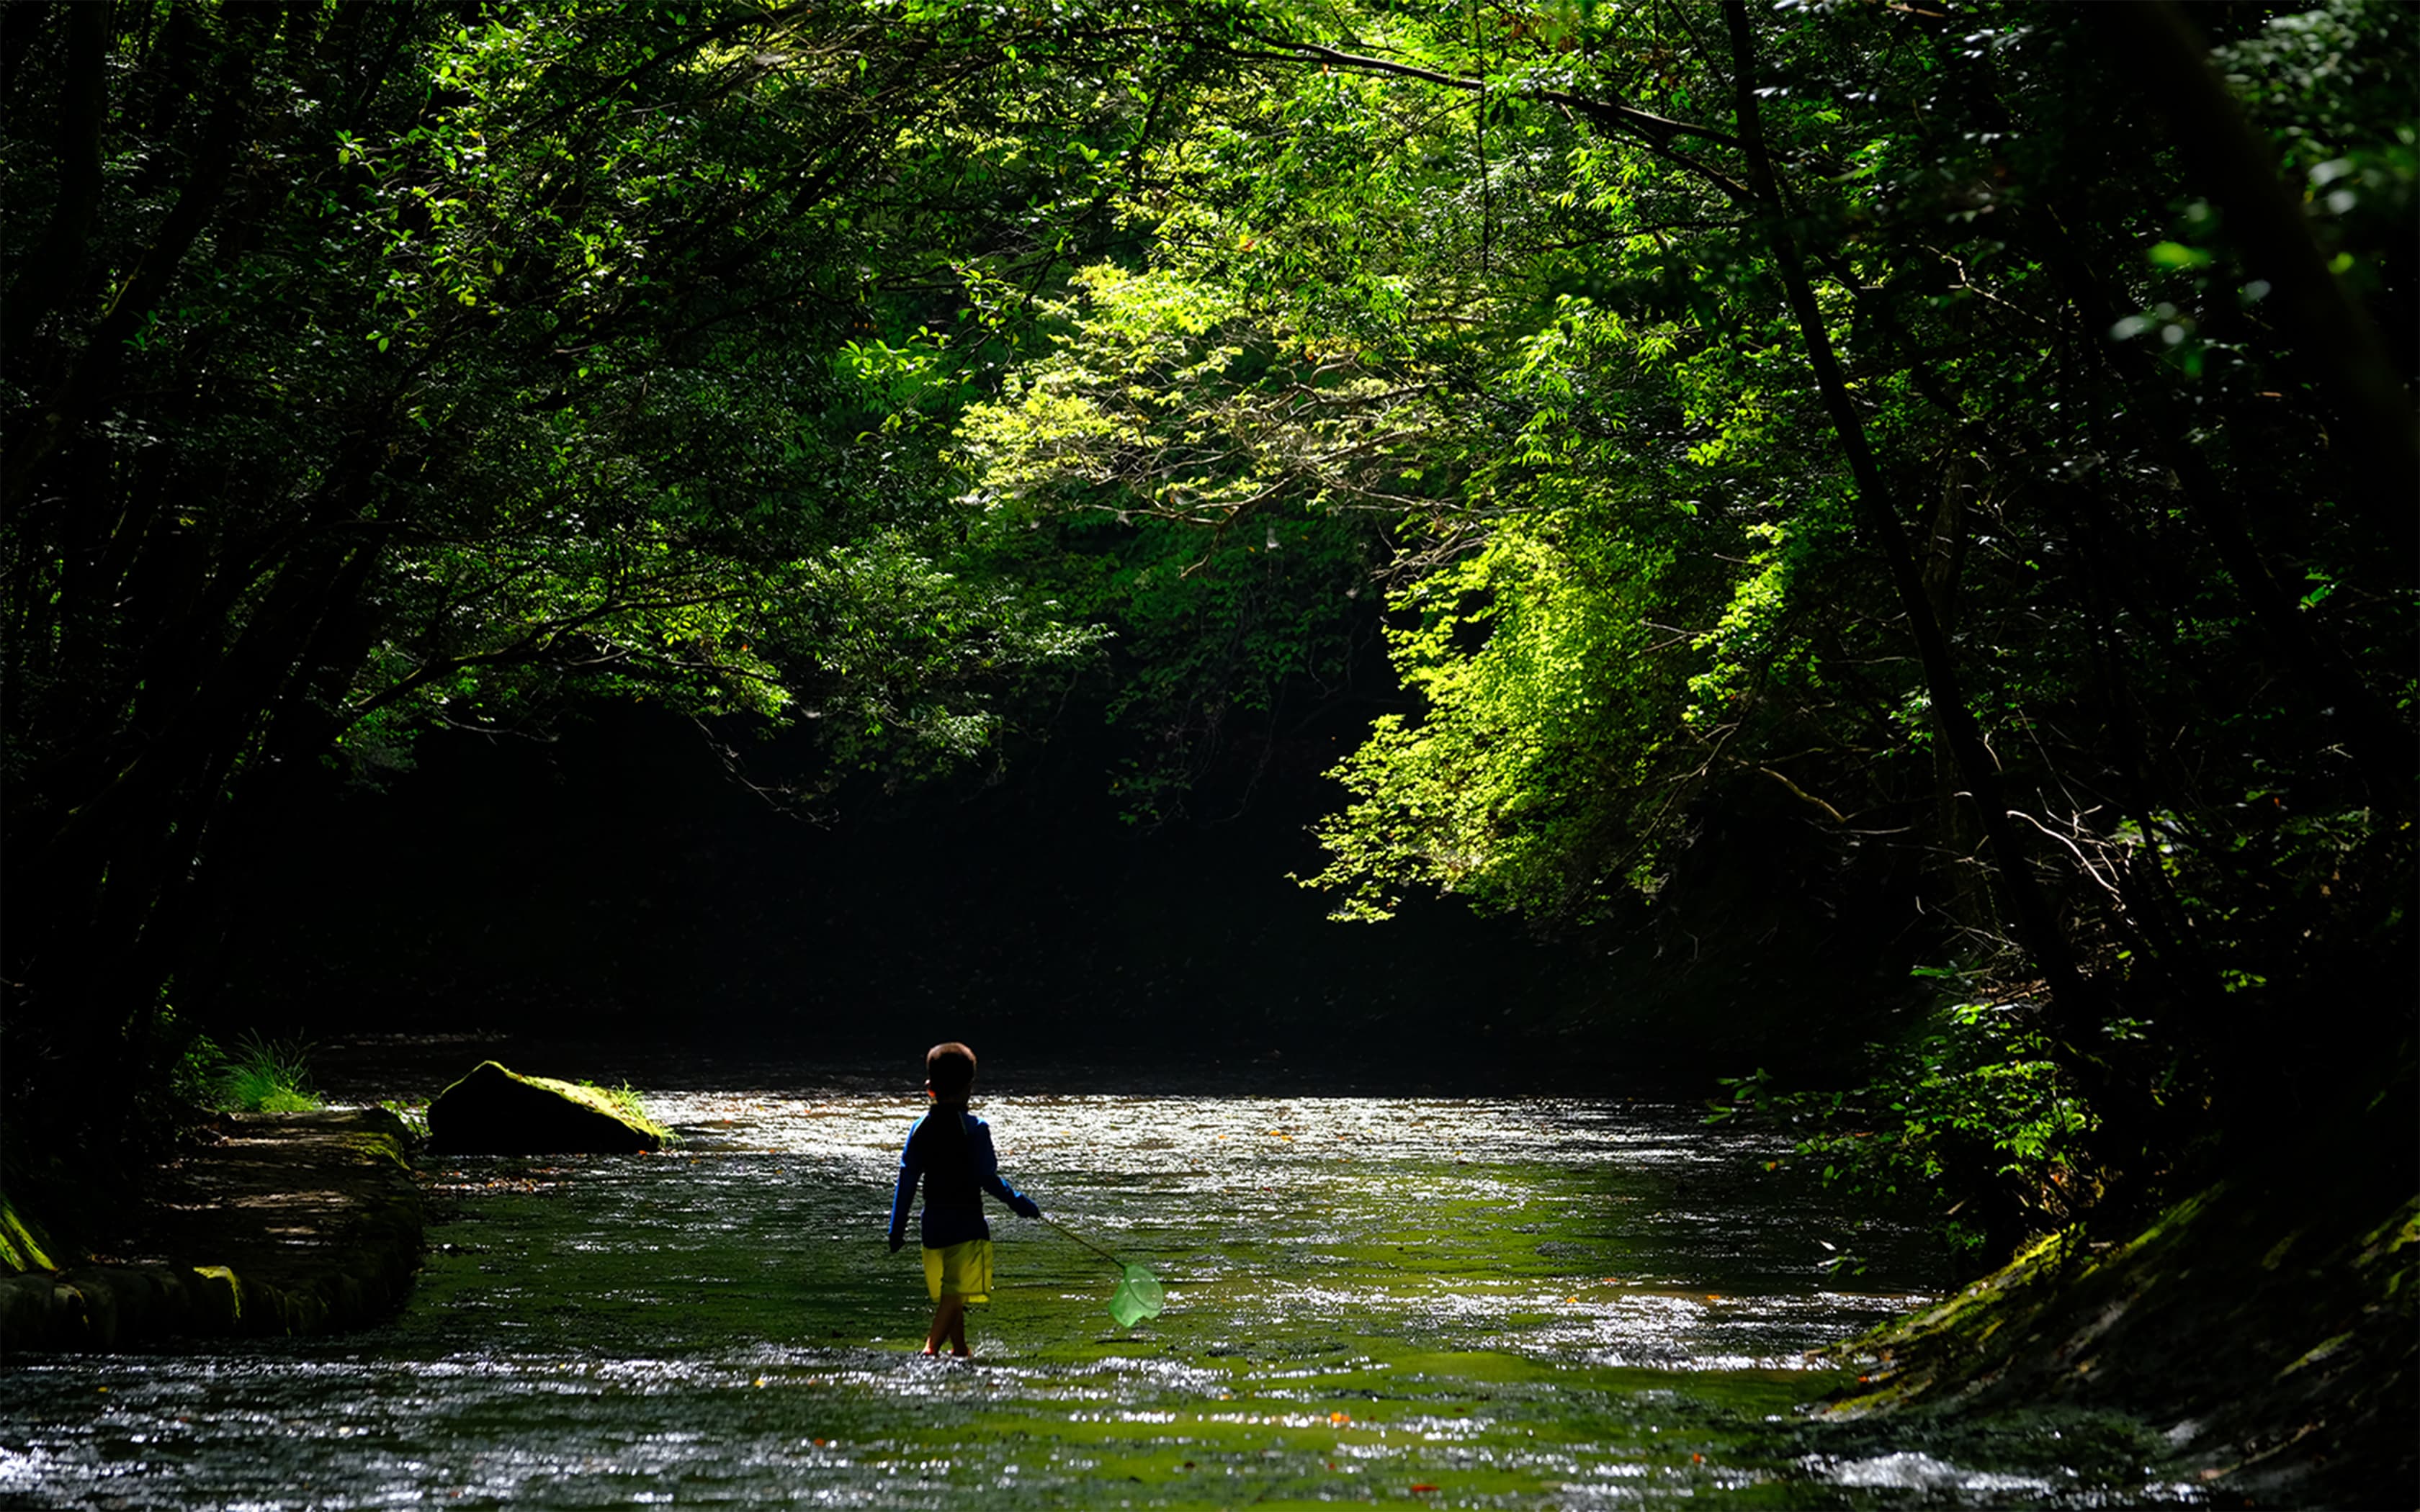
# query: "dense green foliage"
370,366
1926,421
1958,437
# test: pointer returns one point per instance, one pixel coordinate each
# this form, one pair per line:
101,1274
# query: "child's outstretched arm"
987,1176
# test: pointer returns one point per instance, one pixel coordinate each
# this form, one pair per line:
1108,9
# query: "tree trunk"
2004,851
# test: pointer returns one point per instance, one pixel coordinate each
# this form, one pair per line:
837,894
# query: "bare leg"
949,1324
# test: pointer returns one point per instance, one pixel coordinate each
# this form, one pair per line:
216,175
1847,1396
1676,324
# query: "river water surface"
1509,1301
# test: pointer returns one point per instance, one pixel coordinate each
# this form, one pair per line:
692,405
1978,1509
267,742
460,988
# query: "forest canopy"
1969,447
1962,439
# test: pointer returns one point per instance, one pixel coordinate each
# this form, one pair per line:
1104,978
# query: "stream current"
1510,1302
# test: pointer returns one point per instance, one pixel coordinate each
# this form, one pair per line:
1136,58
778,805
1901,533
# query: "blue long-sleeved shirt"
952,1194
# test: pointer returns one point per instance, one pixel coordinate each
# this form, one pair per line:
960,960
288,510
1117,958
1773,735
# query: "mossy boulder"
494,1111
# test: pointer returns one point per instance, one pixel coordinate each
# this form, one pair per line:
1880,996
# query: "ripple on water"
1461,1303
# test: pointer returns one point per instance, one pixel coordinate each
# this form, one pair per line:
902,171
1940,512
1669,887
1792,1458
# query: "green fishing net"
1137,1297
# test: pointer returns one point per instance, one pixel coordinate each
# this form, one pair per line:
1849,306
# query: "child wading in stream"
951,1149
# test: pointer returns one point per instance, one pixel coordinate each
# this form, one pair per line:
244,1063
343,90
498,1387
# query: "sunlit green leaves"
1529,780
1162,395
1972,1115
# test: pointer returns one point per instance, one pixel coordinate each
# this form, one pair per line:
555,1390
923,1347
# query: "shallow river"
1440,1302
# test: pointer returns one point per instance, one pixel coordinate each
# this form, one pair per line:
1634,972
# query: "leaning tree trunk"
2005,849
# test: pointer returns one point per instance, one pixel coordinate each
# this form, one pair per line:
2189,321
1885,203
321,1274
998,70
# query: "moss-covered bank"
292,1223
2266,1328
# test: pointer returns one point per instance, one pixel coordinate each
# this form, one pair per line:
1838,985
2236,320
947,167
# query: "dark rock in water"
494,1111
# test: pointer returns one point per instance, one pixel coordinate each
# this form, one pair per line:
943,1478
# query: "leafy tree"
371,365
1959,438
1868,407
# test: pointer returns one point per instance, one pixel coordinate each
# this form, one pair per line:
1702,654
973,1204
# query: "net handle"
1086,1243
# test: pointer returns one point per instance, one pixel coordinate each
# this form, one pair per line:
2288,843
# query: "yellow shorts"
959,1271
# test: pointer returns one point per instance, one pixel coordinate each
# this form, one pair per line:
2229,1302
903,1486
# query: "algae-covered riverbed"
1510,1302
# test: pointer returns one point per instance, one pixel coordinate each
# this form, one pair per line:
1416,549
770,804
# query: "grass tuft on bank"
262,1076
623,1102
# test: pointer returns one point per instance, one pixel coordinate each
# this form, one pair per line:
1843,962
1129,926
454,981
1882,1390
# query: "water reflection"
1457,1302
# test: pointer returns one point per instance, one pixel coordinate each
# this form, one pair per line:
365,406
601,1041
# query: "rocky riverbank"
2265,1331
292,1223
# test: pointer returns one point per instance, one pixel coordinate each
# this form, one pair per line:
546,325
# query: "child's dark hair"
949,1071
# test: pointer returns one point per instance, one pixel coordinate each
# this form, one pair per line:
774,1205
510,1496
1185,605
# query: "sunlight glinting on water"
1145,1172
1458,1303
